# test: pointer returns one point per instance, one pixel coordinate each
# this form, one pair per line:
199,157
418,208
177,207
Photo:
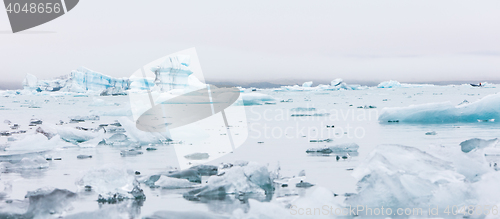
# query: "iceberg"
341,148
485,109
396,84
251,99
49,203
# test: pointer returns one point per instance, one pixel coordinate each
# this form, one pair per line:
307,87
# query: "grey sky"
266,41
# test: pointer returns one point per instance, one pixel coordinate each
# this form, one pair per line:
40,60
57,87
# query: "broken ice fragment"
431,133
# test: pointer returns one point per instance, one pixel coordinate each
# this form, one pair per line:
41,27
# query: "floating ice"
34,122
192,175
252,179
74,135
49,203
36,142
26,163
487,108
395,84
476,143
205,170
431,133
250,99
112,184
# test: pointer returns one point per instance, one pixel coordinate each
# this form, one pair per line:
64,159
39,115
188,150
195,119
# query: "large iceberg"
485,109
172,73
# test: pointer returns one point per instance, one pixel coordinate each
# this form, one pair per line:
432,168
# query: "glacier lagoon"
282,124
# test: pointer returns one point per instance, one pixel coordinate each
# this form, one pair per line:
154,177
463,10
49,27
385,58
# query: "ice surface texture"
485,109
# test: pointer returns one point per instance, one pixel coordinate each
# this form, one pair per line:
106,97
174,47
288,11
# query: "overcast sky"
266,40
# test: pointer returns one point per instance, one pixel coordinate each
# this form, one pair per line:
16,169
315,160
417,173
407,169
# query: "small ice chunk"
476,143
431,133
83,156
250,179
